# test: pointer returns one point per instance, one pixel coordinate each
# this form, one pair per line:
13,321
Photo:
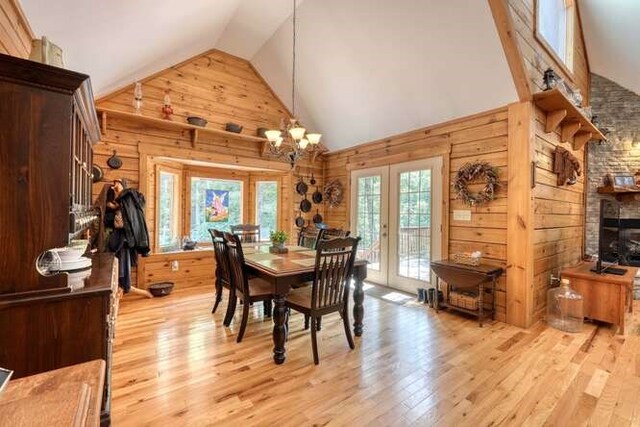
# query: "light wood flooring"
176,364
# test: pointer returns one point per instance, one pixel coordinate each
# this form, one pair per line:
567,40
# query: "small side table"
606,297
468,277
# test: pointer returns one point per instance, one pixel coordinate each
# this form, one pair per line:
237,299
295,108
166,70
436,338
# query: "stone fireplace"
618,111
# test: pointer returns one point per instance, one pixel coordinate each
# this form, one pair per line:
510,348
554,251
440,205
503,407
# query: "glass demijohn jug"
564,308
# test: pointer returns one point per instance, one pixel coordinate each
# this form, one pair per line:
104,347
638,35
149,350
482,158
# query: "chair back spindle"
334,262
236,263
248,233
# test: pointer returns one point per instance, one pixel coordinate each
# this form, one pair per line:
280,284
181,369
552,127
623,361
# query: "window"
267,207
215,203
555,28
168,209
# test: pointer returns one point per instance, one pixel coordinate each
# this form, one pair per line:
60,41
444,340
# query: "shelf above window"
194,131
561,113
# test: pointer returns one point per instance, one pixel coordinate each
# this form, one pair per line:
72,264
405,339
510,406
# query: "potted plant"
278,238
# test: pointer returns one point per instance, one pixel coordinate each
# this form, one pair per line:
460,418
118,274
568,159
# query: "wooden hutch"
48,126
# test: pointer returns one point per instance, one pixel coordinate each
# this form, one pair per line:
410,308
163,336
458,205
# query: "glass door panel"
415,218
369,219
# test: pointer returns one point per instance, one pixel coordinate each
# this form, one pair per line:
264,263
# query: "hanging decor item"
291,140
167,110
333,193
567,166
473,172
114,162
137,97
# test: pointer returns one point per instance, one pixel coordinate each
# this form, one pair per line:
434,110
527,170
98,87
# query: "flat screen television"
609,239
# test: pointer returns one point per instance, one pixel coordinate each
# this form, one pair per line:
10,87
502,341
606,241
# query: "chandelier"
291,141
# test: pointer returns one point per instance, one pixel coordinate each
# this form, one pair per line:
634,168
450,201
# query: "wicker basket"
466,259
463,300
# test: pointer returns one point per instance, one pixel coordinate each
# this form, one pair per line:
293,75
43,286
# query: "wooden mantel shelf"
621,193
195,131
575,126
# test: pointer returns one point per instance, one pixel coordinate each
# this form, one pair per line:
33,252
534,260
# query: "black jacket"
135,227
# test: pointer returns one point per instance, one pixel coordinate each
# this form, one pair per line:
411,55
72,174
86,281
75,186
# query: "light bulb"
314,138
272,135
297,133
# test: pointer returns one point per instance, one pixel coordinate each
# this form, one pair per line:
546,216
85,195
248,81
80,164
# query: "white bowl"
70,253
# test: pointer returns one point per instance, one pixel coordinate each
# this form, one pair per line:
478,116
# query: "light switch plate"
462,215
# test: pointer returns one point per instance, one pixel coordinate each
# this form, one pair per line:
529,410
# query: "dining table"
285,270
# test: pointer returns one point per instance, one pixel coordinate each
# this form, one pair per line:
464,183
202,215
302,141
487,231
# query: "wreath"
472,172
333,193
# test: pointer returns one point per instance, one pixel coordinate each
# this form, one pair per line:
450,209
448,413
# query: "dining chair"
332,233
309,236
223,279
248,233
248,290
329,292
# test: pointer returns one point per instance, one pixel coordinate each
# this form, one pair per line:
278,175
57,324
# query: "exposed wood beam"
507,33
554,118
520,217
570,129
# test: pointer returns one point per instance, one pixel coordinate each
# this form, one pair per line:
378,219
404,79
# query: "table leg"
279,329
358,299
436,304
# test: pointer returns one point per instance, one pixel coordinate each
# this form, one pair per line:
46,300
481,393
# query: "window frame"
217,174
177,208
572,17
255,185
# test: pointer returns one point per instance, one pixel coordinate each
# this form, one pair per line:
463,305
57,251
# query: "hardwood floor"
176,364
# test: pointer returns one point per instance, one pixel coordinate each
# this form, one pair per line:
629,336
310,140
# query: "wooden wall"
221,88
15,31
535,56
559,215
479,137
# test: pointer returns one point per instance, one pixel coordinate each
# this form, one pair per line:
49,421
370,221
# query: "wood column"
521,152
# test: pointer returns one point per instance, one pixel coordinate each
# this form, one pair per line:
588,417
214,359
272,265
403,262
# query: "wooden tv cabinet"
606,297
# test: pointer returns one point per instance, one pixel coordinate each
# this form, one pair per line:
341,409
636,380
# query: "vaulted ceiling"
366,69
612,37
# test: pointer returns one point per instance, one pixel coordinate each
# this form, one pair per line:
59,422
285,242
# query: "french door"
397,212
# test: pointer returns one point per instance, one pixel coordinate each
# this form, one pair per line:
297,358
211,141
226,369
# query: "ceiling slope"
365,73
120,41
613,39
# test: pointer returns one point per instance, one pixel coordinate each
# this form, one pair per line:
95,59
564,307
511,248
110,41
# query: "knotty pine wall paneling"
15,31
537,59
479,137
221,88
558,215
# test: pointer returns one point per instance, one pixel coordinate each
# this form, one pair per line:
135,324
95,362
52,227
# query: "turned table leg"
358,299
279,329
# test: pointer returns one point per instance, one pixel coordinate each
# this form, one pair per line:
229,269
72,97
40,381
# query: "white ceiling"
367,69
120,41
612,37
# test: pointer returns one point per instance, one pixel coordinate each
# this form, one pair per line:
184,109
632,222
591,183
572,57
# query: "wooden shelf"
621,193
195,131
575,126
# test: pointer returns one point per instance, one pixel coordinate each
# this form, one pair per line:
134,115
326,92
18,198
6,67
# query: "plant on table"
278,238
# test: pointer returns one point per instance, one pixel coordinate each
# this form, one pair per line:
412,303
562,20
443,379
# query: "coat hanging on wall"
567,166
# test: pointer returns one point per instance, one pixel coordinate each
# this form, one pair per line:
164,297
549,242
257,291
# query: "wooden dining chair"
329,292
332,233
248,233
309,236
248,290
223,279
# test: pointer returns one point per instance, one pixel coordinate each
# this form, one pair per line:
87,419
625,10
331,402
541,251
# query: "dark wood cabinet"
48,127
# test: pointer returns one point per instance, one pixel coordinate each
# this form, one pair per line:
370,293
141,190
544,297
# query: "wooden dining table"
283,271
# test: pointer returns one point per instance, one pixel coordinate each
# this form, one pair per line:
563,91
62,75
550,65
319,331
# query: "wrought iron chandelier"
291,141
